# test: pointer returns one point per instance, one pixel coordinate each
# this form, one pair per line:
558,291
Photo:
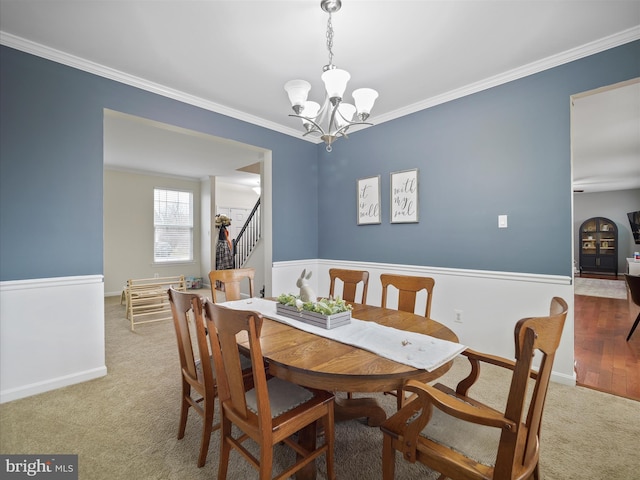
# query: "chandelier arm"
332,119
317,126
342,131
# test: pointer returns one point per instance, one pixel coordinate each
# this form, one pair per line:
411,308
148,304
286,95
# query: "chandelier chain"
330,39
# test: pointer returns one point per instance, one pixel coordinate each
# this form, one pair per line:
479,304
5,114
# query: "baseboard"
563,379
51,384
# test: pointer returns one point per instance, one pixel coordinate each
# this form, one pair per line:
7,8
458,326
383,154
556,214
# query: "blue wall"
505,150
51,167
502,151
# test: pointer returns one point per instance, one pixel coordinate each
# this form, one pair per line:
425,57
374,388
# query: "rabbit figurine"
306,292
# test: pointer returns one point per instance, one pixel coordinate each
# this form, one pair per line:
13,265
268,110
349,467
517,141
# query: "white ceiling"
235,56
605,133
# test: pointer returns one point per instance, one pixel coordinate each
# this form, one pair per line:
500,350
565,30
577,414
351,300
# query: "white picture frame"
404,196
368,201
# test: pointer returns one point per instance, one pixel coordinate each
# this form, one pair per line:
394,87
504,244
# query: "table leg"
350,408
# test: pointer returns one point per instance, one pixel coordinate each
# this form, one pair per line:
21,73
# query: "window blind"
173,226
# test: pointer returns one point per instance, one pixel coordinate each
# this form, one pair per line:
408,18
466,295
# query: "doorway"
170,154
606,182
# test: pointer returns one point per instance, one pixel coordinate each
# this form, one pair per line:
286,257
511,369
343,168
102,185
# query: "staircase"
248,237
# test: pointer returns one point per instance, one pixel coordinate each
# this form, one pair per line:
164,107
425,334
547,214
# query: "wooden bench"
147,300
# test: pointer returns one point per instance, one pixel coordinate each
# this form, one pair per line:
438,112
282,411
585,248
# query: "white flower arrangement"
222,221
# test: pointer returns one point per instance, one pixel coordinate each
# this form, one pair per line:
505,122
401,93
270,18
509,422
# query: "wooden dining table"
313,361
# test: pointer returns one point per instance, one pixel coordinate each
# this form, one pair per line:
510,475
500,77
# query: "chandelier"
336,116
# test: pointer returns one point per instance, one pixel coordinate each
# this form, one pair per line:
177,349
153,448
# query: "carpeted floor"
596,287
124,425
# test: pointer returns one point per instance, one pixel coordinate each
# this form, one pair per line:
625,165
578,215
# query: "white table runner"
413,349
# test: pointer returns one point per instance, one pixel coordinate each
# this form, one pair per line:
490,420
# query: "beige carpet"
596,287
124,426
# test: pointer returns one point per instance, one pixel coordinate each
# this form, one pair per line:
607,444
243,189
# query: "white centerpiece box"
314,318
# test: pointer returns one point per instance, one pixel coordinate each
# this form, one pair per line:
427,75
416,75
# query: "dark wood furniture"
441,426
598,246
407,287
633,283
350,279
270,413
232,280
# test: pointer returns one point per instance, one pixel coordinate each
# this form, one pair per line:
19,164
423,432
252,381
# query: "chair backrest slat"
542,335
228,323
232,280
188,329
350,280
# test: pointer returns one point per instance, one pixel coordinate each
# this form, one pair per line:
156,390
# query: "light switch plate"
502,221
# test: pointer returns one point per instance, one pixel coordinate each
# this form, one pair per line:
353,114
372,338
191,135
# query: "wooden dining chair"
198,382
456,435
232,280
633,283
408,288
350,280
273,411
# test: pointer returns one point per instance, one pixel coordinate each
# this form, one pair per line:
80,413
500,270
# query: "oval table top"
317,362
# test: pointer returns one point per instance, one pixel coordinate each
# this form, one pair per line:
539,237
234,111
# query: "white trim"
463,272
51,334
64,58
563,379
420,269
11,285
615,40
51,384
58,56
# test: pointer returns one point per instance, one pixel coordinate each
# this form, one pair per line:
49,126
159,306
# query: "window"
173,226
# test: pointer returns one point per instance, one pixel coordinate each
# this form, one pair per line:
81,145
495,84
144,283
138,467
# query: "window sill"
172,264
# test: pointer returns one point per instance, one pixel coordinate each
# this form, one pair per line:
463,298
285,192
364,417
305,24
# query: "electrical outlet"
458,316
156,275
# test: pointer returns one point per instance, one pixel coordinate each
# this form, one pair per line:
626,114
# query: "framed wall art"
369,200
404,196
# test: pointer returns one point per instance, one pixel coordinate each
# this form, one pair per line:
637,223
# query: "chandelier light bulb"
309,110
364,98
335,82
298,90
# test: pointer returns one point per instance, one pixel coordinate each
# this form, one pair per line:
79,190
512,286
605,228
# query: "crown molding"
58,56
615,40
64,58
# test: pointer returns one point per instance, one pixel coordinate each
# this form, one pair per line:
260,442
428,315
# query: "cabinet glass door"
607,244
589,237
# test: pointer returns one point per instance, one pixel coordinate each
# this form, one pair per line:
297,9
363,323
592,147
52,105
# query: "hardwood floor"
605,361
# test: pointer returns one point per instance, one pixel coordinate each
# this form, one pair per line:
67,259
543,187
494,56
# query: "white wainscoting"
51,334
491,302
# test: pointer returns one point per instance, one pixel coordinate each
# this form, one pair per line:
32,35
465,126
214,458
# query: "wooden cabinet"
599,246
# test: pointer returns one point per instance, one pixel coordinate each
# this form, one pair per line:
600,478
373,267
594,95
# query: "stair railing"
248,237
